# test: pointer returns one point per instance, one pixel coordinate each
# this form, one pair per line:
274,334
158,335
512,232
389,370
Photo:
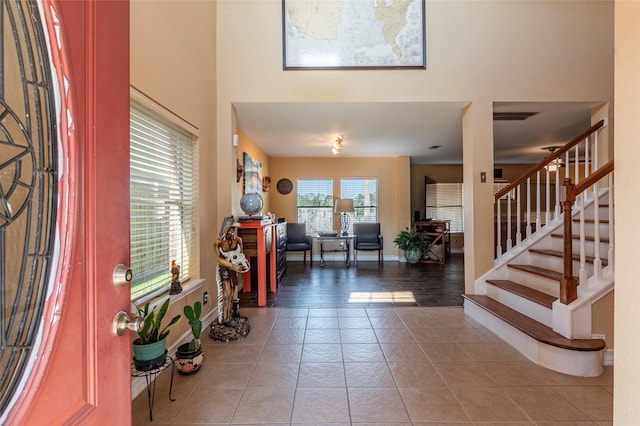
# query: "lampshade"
344,205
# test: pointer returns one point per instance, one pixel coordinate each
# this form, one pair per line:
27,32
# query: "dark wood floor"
368,285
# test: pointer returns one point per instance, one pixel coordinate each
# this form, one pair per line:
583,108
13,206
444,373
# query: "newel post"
568,284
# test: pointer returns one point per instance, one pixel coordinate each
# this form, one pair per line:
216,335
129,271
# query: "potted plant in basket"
412,243
189,355
150,348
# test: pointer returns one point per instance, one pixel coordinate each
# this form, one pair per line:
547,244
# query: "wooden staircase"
521,299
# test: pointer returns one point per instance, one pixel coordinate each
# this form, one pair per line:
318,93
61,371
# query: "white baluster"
547,200
610,254
576,166
597,262
586,162
528,207
509,242
538,202
583,262
557,209
499,231
518,216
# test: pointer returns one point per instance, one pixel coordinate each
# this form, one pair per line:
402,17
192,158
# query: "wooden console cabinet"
440,235
258,241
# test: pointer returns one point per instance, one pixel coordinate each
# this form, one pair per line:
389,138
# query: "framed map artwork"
353,34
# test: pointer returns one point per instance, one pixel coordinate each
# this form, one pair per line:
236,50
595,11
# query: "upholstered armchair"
367,237
298,240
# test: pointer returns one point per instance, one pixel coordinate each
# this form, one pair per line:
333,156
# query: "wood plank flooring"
368,285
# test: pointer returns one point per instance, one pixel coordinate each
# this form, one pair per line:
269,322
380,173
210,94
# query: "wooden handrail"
549,159
594,177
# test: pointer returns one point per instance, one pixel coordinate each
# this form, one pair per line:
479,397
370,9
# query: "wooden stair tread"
576,256
586,238
547,273
528,293
533,328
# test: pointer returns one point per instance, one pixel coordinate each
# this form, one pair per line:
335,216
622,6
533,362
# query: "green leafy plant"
152,331
409,240
193,315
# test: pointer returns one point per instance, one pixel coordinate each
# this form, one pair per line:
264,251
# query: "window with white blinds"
364,193
444,202
164,170
314,203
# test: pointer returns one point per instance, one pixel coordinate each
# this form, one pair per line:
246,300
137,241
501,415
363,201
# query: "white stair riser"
603,213
545,285
531,309
556,264
558,244
589,229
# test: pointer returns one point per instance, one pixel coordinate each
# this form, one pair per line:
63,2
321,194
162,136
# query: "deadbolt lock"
122,275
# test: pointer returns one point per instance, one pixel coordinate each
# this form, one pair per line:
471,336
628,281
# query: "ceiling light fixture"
337,145
557,163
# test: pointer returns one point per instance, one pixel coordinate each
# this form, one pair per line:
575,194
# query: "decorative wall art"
353,34
252,175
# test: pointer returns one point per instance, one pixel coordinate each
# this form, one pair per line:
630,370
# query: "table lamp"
344,206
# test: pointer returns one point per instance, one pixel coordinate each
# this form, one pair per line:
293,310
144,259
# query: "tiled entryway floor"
374,365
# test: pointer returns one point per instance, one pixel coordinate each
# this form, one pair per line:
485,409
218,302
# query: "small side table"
347,239
150,376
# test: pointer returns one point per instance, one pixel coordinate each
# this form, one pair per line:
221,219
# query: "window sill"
188,287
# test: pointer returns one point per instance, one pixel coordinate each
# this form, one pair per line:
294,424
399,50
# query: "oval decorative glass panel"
29,177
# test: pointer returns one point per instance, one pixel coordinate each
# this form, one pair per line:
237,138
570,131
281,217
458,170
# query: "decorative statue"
231,261
175,278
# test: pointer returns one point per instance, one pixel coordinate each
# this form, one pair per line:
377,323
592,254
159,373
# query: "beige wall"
626,410
391,191
173,62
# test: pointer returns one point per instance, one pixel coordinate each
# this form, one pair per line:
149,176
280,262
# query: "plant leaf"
188,312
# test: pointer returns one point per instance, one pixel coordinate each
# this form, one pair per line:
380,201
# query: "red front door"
82,373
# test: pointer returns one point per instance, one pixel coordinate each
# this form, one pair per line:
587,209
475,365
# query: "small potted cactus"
189,355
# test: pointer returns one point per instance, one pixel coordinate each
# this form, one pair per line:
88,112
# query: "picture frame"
353,34
252,175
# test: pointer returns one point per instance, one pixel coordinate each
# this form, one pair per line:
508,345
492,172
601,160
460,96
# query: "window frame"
348,190
183,232
323,221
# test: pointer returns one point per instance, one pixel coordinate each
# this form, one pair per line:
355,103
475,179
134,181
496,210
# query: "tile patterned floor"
374,365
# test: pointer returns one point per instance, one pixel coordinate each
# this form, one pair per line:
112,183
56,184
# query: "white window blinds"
315,204
444,202
164,170
364,193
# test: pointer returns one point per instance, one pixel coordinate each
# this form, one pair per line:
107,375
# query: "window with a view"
444,202
314,204
364,193
163,185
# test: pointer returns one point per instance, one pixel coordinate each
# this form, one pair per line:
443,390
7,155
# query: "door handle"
122,323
